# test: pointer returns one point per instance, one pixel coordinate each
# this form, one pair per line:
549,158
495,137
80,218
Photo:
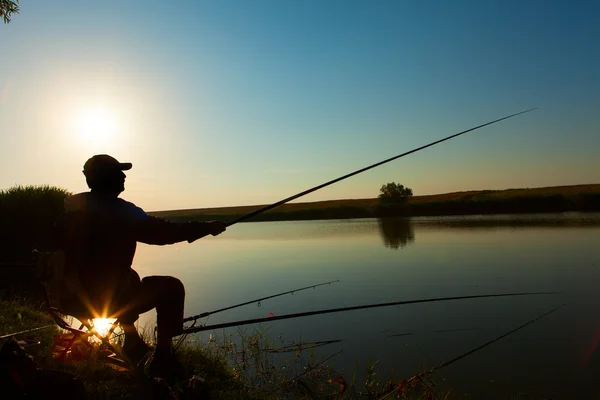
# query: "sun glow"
96,126
103,325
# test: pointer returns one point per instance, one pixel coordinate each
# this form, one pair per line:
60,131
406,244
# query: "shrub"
27,214
394,193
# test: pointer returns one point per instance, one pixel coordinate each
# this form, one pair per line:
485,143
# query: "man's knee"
165,284
176,286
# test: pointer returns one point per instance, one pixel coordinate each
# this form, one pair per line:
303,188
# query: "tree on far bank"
7,8
394,193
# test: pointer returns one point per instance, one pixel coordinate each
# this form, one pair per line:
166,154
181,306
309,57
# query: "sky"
224,103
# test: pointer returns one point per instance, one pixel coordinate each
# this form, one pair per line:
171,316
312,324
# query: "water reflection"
554,220
396,232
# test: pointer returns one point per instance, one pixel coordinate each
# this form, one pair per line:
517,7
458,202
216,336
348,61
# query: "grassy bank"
100,379
534,200
251,367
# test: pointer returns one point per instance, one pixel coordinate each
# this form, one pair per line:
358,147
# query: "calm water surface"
383,261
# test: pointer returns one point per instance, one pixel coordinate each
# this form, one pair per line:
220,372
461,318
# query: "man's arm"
158,231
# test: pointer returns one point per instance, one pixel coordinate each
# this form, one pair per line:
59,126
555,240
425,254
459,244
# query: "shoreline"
576,198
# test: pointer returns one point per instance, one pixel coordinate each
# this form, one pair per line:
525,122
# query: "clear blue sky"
221,103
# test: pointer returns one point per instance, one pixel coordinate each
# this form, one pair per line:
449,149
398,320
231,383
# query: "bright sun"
96,126
103,325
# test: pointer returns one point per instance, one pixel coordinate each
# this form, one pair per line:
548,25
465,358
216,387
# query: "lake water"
383,261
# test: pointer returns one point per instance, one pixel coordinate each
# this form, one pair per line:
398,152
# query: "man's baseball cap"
103,163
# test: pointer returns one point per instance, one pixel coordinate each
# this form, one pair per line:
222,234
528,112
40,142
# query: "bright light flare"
103,325
96,126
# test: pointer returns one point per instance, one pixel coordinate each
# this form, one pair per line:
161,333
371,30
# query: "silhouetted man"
99,232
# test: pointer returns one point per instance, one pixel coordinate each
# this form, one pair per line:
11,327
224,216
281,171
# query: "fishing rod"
27,331
271,206
362,307
460,357
436,331
298,346
455,359
303,346
206,314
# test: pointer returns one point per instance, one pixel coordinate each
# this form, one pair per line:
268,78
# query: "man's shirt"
103,205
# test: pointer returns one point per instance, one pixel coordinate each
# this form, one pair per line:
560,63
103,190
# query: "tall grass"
27,215
249,367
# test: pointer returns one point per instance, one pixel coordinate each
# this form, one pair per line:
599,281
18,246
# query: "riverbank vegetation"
248,366
529,200
27,215
101,379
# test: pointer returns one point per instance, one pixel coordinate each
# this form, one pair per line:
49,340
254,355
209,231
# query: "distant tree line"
397,203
